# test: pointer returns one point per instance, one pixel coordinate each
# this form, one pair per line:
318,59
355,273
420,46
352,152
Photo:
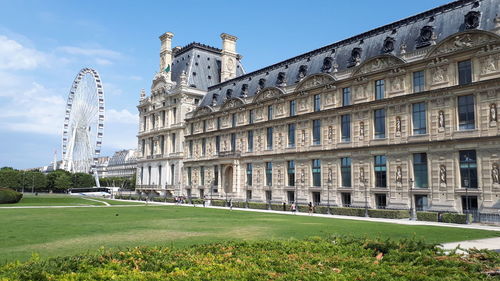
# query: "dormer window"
471,20
262,83
355,57
281,79
388,45
425,37
302,72
214,99
229,93
244,91
327,65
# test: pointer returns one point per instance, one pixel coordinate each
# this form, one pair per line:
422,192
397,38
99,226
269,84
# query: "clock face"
230,64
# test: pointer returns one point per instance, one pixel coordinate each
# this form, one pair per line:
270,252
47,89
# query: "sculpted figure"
330,175
362,129
362,175
495,173
330,132
441,119
442,174
398,125
493,112
399,175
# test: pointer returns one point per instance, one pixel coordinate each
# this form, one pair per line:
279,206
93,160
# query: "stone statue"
280,138
362,175
442,174
258,176
259,142
302,176
398,125
279,176
439,75
495,173
330,175
441,120
399,175
361,129
493,112
241,145
488,65
224,148
303,137
330,132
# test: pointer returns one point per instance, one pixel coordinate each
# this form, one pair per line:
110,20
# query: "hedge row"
388,214
9,196
454,218
427,216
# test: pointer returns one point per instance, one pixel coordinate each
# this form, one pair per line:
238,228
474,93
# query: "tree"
82,180
52,179
10,178
62,182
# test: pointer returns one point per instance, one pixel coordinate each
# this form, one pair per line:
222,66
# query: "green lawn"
62,200
56,232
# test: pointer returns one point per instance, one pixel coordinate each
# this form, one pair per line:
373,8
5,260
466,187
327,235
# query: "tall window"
464,72
380,171
202,175
234,120
270,138
162,144
317,102
291,135
270,112
316,132
293,108
204,125
379,122
149,175
172,174
249,174
174,113
418,81
381,201
419,118
468,168
466,112
190,148
216,175
251,116
189,173
218,123
203,146
217,144
379,89
345,169
233,142
316,172
159,174
291,173
346,127
346,199
420,170
250,140
143,145
144,123
173,142
346,96
269,173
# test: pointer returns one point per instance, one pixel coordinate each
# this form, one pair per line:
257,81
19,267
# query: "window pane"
346,96
316,132
317,102
249,174
291,135
270,138
269,173
464,72
292,108
250,141
346,127
291,173
418,81
270,112
420,170
379,89
345,167
466,112
468,168
419,119
379,118
316,172
380,171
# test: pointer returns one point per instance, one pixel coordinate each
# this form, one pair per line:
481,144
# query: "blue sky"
43,45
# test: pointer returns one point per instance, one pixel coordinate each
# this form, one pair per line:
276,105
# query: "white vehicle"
91,191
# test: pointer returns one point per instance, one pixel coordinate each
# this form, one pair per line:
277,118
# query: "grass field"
63,200
67,231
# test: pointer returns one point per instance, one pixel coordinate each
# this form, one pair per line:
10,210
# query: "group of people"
293,207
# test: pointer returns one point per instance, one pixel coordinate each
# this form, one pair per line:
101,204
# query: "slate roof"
122,157
444,20
202,65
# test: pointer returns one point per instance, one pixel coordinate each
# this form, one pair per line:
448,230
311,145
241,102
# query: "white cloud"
14,56
90,52
121,116
103,61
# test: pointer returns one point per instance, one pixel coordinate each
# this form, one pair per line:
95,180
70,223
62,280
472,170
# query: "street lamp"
412,210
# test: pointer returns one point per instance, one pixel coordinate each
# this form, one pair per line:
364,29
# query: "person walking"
284,206
293,208
231,204
310,208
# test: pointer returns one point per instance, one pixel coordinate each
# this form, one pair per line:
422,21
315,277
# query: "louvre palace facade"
405,115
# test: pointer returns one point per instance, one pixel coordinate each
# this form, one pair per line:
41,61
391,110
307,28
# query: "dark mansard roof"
201,63
419,31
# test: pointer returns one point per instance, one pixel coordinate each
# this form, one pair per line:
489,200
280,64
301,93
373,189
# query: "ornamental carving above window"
471,20
262,83
327,65
302,72
425,37
281,79
355,57
388,45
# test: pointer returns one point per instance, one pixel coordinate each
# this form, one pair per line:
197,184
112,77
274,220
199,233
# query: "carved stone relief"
495,173
441,121
489,64
361,129
330,133
398,84
399,175
439,74
398,126
442,174
493,113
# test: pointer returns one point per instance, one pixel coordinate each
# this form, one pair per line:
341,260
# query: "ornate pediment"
202,111
268,93
314,81
160,81
463,40
232,103
378,63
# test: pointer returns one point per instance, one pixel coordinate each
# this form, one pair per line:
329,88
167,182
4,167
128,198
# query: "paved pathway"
488,243
103,202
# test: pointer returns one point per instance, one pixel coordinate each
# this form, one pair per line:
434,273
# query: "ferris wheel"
83,123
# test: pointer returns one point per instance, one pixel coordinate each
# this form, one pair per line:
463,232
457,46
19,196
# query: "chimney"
166,54
229,57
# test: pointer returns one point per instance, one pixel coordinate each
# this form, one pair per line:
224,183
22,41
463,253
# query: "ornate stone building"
402,115
181,82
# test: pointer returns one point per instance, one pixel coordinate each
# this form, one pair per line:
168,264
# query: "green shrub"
388,214
335,258
260,206
454,218
342,211
321,210
9,196
219,203
427,216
